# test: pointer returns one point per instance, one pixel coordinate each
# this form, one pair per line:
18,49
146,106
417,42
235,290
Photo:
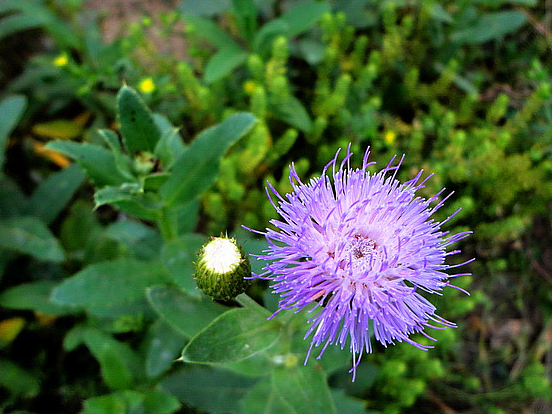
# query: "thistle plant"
363,246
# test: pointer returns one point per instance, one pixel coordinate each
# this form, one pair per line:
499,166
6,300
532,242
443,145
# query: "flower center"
363,252
222,255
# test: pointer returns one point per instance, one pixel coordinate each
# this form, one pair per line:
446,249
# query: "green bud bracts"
221,268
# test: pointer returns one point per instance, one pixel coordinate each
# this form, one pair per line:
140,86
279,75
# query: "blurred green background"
462,88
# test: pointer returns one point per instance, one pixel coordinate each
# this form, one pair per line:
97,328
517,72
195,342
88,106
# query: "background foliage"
107,192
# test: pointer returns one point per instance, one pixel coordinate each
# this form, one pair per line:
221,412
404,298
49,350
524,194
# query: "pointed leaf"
11,109
108,195
246,15
223,63
346,404
143,241
304,17
304,388
29,235
208,389
265,36
98,163
163,347
169,148
129,401
159,402
210,32
122,160
491,25
51,197
106,284
115,403
178,256
233,336
138,128
17,380
18,22
262,399
294,113
120,365
185,313
33,296
197,167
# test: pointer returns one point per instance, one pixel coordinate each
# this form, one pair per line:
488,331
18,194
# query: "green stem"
247,302
168,224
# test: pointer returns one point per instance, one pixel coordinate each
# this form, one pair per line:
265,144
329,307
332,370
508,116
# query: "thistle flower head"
222,269
360,247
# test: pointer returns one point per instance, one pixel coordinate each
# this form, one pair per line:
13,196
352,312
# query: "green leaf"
491,25
188,216
294,113
302,18
197,167
439,13
208,389
13,202
333,358
51,197
153,182
34,13
130,199
98,163
204,8
346,404
79,228
17,380
30,236
115,403
159,402
164,345
210,32
118,362
18,22
142,206
114,283
265,36
141,240
132,402
223,63
122,161
313,51
185,313
258,365
262,399
169,148
11,109
246,15
33,296
304,388
111,139
233,336
178,256
138,128
109,195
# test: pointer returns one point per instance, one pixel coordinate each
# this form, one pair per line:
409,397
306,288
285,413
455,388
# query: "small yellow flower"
389,137
62,60
249,87
146,85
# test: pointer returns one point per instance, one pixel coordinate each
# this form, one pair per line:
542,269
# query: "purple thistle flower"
362,245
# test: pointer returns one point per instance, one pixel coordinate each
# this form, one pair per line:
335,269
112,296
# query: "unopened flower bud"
221,268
